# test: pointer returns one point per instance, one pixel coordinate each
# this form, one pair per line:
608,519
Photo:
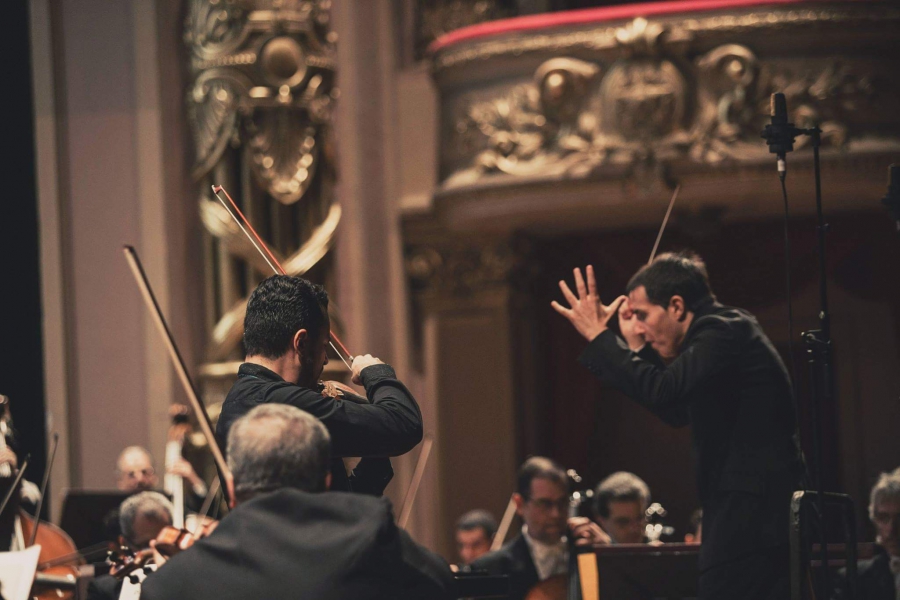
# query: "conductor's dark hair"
539,467
278,308
478,519
620,487
674,274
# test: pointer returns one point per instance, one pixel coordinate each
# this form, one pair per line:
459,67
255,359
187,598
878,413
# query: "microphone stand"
819,356
780,138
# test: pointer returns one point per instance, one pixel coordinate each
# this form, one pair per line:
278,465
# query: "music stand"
84,512
645,572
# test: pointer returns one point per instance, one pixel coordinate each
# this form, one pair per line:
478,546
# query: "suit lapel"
523,562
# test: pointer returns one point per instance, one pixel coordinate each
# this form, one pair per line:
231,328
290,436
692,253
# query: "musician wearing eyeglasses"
136,472
540,551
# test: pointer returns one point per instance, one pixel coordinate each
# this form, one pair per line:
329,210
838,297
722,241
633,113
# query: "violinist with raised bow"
286,333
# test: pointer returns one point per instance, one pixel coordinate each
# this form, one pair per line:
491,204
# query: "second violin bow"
268,256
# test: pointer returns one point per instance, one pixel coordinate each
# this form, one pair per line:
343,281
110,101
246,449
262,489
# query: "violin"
168,542
336,389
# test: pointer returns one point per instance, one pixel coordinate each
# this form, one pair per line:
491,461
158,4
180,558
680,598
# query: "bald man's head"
135,471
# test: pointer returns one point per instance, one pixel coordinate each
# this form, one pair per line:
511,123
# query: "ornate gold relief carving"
271,63
260,106
649,98
449,269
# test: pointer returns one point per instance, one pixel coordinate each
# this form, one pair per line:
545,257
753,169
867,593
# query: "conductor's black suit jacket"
513,559
731,386
293,544
389,425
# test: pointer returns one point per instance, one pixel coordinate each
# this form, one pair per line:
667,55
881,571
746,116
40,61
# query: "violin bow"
203,419
414,484
505,522
662,228
40,504
207,505
15,484
268,256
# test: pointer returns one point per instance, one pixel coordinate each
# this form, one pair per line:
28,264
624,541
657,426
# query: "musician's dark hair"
478,519
620,487
278,308
674,274
539,467
277,446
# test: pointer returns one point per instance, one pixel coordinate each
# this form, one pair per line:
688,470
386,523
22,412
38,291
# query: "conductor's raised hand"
360,363
630,327
585,311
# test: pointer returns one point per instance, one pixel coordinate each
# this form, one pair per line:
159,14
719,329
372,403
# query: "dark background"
21,355
599,431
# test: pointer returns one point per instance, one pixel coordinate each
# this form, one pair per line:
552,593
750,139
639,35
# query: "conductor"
693,361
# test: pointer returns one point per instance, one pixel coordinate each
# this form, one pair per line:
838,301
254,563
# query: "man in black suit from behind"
287,537
539,551
287,332
691,360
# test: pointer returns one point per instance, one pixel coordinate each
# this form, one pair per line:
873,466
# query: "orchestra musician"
878,578
286,333
540,551
691,360
620,504
141,518
288,537
135,472
474,533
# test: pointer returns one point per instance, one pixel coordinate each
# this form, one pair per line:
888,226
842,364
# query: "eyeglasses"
883,518
546,505
148,472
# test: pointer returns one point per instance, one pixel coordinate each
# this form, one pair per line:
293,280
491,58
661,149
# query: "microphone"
780,134
892,199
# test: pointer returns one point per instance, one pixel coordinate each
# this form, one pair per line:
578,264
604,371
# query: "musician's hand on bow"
158,558
183,468
587,533
589,316
360,363
630,328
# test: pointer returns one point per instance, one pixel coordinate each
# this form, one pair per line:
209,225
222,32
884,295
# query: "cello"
571,585
21,530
